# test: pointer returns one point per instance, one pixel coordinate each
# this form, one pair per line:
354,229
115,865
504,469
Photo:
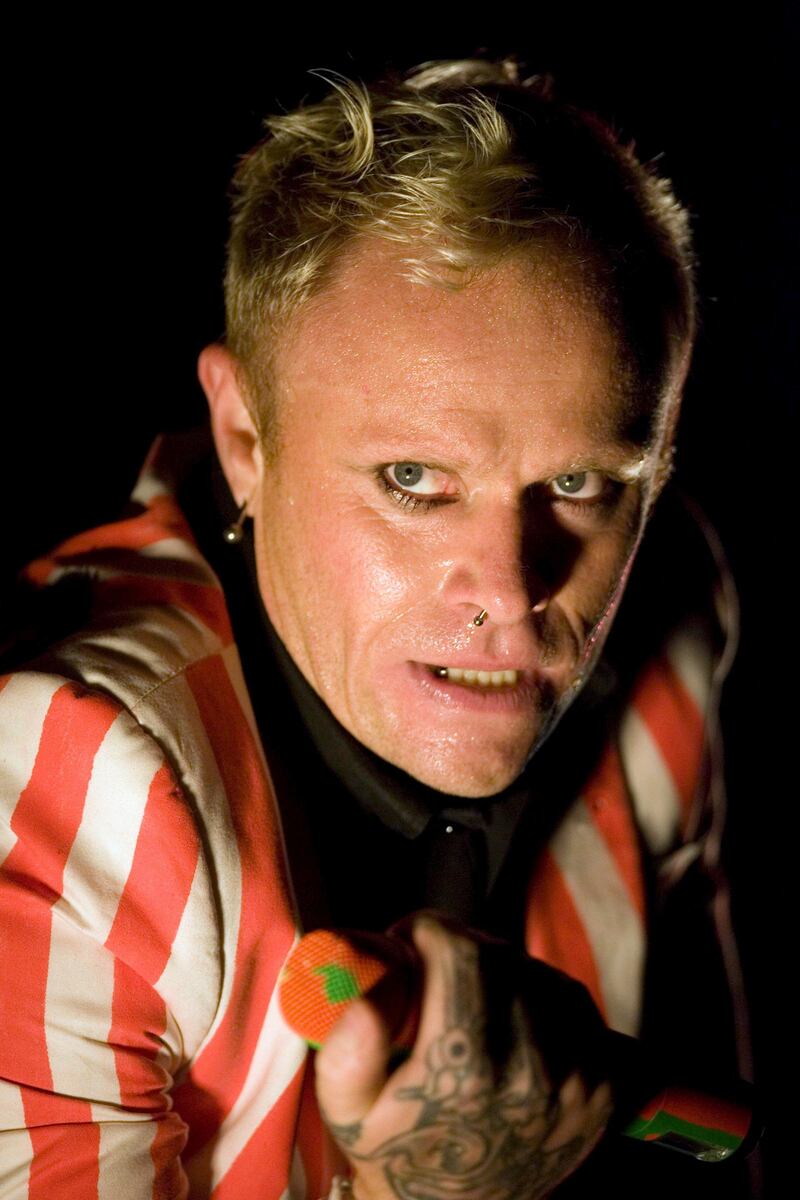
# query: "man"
459,323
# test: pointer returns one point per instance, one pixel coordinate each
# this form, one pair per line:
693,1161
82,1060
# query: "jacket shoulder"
98,829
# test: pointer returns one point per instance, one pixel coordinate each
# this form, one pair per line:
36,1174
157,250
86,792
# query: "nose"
497,564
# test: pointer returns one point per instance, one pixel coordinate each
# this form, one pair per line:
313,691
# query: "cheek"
353,575
372,582
378,571
612,568
613,549
605,564
385,582
601,571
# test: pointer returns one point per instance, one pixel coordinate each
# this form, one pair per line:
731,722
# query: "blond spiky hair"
463,164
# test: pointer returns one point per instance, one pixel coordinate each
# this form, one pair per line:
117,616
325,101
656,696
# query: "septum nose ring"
481,617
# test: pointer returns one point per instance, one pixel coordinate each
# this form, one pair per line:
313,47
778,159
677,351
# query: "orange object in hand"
326,971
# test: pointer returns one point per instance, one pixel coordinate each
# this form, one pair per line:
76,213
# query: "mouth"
504,691
482,680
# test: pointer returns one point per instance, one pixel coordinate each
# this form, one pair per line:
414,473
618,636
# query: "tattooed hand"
472,1114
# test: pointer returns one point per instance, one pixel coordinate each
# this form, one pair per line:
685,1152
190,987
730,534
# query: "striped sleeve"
99,854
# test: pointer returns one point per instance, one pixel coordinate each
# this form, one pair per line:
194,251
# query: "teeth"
485,679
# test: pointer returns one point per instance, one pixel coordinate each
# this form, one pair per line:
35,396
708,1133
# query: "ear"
235,434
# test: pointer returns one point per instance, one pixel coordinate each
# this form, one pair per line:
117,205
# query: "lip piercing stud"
481,617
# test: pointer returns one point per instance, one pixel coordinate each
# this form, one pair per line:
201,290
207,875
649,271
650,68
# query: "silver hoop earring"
234,533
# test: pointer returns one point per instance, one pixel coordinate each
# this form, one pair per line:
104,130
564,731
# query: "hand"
472,1114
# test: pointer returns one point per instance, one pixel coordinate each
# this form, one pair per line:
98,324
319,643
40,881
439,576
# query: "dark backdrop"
121,145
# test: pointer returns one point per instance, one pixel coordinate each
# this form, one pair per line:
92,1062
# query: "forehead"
521,345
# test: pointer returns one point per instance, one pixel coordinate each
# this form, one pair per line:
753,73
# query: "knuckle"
435,936
601,1100
572,1094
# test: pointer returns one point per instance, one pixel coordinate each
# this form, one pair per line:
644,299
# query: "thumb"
351,1068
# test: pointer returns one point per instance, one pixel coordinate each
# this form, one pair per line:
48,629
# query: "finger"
452,999
581,1118
474,986
351,1068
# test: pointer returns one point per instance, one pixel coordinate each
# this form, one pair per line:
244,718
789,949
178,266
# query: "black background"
120,140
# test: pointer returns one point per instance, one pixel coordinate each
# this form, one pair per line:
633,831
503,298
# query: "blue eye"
414,485
580,485
407,474
425,481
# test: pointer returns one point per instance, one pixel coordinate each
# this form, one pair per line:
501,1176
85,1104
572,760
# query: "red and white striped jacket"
145,901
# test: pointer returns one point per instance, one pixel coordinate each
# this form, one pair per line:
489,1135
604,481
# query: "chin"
477,771
471,782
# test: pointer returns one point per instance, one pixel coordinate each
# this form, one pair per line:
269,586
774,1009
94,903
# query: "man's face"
445,452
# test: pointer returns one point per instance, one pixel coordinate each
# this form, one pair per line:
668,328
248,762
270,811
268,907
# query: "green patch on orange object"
340,983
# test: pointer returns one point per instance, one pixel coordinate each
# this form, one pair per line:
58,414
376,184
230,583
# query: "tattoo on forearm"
474,1138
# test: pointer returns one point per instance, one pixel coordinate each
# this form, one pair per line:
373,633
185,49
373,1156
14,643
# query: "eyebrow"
630,471
629,466
382,439
627,458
